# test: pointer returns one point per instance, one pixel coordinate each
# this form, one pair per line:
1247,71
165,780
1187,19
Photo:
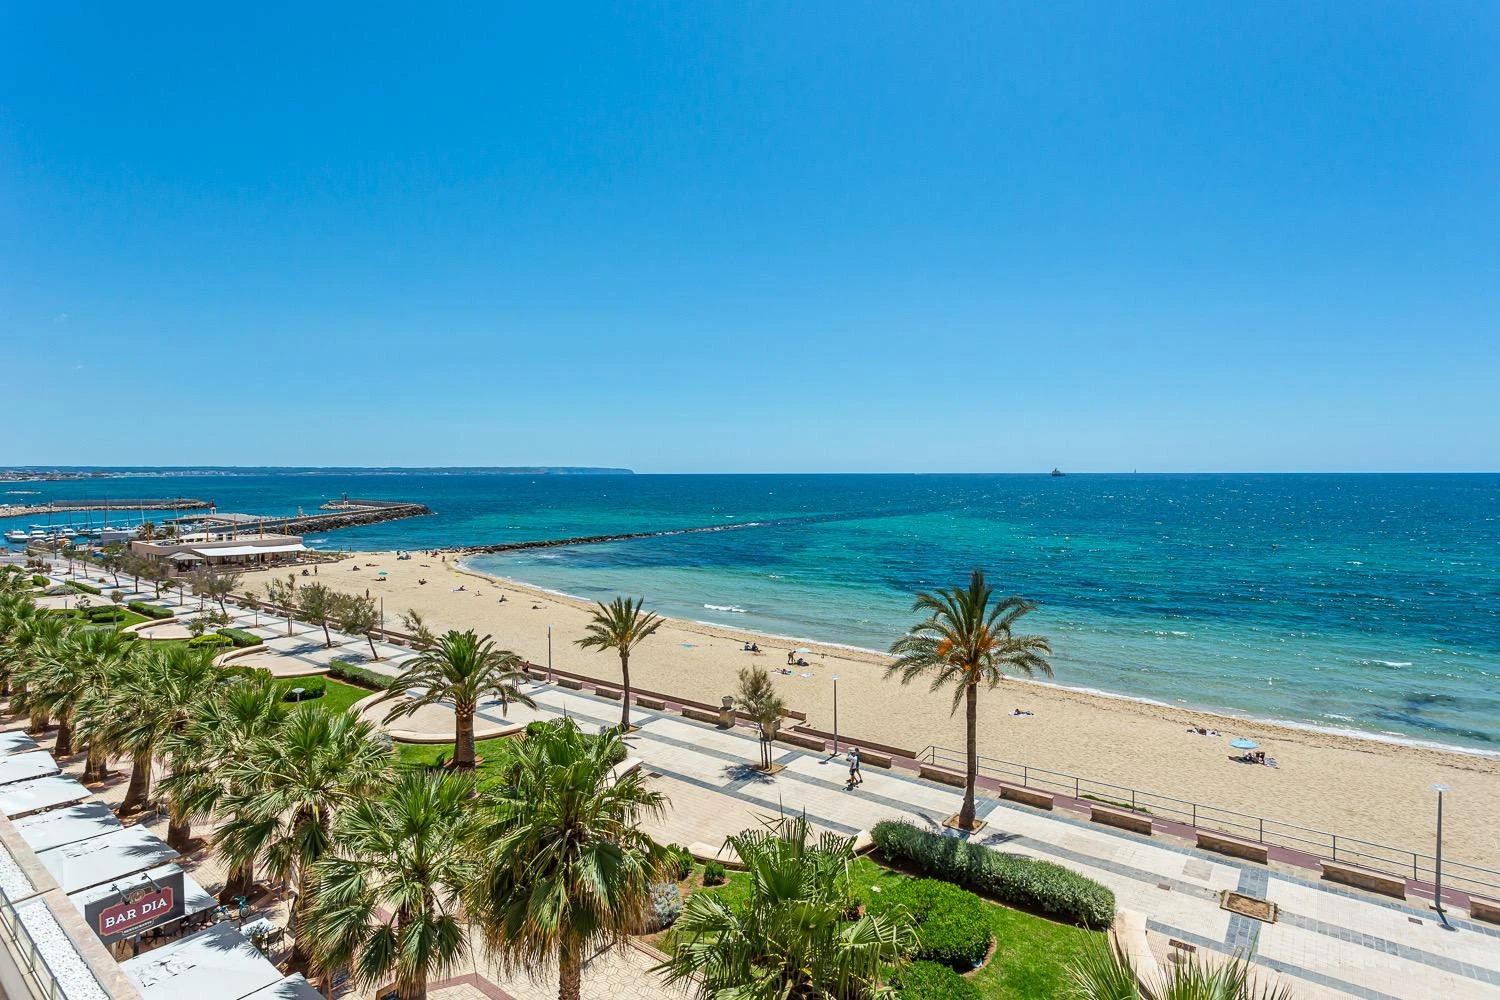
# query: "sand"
1355,787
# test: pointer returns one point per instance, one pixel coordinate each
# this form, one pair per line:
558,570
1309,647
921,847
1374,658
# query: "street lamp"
1437,872
550,678
835,715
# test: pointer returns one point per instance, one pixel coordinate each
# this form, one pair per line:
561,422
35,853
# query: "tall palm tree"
965,642
620,625
797,936
462,668
566,870
17,612
25,650
1104,972
386,903
73,662
289,786
152,700
100,658
218,728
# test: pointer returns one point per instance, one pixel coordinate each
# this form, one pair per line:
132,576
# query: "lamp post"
835,715
1437,868
550,678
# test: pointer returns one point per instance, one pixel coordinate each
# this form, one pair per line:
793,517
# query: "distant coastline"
36,474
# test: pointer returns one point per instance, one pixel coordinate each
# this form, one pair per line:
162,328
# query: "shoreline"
878,657
1355,785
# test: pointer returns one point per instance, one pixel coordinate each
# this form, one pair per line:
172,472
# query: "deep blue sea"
1362,602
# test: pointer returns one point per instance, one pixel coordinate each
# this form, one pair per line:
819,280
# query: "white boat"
17,536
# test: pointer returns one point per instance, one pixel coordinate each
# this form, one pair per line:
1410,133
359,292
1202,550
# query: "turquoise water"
1368,603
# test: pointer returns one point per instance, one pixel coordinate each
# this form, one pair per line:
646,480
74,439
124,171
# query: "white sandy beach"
1348,785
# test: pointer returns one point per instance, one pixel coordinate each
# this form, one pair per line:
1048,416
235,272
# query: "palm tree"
620,625
798,935
759,698
73,662
289,786
217,729
17,612
1104,972
967,641
386,903
566,870
462,668
99,660
152,700
25,649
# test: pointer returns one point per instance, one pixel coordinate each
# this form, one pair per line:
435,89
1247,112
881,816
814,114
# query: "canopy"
1243,744
26,797
214,964
47,830
252,550
25,766
185,557
290,988
97,860
16,743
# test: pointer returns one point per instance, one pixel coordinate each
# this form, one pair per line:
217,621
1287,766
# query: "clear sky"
753,236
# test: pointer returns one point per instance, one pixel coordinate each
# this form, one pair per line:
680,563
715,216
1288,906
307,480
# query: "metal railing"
30,961
1396,861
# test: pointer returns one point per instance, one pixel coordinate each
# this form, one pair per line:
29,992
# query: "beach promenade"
1327,940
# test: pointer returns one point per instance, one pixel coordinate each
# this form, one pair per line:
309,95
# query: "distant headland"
32,474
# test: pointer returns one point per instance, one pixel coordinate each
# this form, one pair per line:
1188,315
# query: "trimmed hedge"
210,641
87,588
346,671
1008,878
104,614
241,638
312,687
931,981
149,610
953,928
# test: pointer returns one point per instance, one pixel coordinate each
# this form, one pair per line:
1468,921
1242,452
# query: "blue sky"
753,237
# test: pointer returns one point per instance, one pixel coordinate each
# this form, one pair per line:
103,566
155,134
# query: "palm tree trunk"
971,773
370,638
38,725
300,956
94,768
240,881
569,976
64,745
179,831
463,740
140,783
624,691
412,991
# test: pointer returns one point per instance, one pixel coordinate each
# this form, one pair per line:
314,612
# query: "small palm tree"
1104,972
386,904
288,788
566,869
620,625
462,668
759,698
17,613
797,935
100,658
966,641
26,649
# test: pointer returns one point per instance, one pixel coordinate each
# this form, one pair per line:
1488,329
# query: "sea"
1363,603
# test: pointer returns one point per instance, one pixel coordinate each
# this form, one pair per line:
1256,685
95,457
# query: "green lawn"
338,697
1029,958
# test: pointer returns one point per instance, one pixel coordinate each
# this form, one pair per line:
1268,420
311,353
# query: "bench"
1026,796
604,692
655,703
805,742
1121,818
1365,878
570,683
941,774
1235,847
1484,909
700,715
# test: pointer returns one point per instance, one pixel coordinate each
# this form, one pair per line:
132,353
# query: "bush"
1009,878
679,861
210,641
931,981
346,671
104,614
85,588
952,926
241,638
149,610
312,687
714,873
666,905
39,580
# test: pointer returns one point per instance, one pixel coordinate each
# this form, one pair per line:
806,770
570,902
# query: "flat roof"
26,797
194,897
108,856
47,830
214,964
291,988
16,743
251,550
25,766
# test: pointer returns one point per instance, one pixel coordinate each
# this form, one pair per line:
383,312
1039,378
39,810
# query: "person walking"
855,778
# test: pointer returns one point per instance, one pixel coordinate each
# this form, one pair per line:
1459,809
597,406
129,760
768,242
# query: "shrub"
714,874
312,687
1008,878
679,861
85,588
240,637
953,928
104,615
210,641
931,981
39,580
346,671
149,610
666,905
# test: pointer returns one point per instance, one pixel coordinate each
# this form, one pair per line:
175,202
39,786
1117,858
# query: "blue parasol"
1243,744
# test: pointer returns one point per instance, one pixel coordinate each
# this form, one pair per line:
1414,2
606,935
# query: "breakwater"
84,506
304,524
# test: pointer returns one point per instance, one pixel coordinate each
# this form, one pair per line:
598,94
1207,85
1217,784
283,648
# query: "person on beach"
855,778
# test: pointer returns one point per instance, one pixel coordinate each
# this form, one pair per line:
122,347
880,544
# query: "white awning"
25,766
16,743
251,550
108,856
66,826
215,964
26,797
290,988
185,557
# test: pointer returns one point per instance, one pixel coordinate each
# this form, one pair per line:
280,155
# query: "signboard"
126,912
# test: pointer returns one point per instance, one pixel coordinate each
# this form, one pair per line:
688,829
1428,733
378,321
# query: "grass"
1030,955
430,754
338,696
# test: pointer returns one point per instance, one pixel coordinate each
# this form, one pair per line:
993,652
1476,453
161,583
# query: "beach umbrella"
804,649
1243,744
